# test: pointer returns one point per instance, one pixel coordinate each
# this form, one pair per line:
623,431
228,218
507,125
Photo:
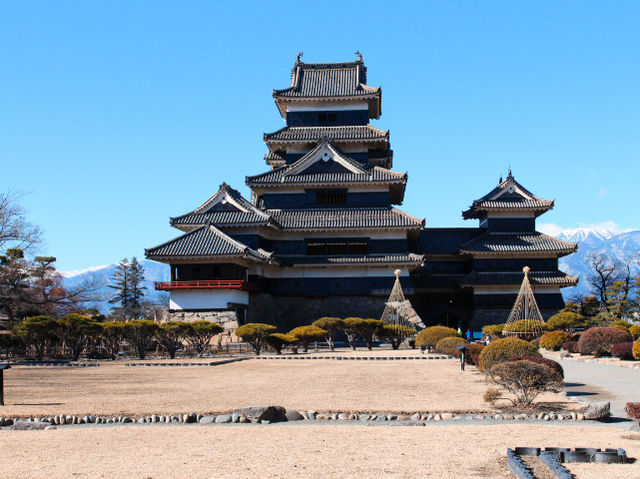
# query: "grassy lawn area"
303,451
323,385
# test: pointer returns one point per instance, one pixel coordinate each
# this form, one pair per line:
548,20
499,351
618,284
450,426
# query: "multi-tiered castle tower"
321,234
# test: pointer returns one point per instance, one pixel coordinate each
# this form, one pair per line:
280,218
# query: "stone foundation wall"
291,311
226,319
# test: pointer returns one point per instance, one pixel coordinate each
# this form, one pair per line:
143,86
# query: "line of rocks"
213,363
238,416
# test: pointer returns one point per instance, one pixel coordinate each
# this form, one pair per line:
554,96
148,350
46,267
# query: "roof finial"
359,55
500,180
300,55
509,175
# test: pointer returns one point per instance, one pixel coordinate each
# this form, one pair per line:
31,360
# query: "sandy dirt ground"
300,451
358,386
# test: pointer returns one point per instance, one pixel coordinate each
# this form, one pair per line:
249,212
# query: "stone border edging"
517,466
213,363
415,419
57,365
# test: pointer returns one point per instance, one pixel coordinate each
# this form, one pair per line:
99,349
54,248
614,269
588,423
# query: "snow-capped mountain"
102,276
591,241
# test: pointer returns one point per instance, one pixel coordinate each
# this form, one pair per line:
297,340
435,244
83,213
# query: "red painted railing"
205,284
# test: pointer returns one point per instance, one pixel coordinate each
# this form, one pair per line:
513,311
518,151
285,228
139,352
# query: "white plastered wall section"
207,298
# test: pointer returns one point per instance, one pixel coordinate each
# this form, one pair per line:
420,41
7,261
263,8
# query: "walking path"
594,381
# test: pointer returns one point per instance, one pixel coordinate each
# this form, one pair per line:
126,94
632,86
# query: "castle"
322,235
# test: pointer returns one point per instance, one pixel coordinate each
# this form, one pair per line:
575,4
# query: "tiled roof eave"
519,254
477,211
336,140
355,228
275,184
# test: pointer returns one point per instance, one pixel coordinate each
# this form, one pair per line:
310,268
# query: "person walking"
468,335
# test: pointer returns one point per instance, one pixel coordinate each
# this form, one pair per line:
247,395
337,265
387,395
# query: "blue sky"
116,115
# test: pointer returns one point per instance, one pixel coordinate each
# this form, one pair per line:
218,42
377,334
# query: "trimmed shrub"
255,334
171,334
636,349
37,333
535,342
598,341
621,324
504,349
571,347
634,331
633,411
200,333
554,340
525,380
566,321
622,350
555,365
331,326
277,341
526,326
306,335
448,346
352,326
75,331
140,333
429,337
493,330
113,332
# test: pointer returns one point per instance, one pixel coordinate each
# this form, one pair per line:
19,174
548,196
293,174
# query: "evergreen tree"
122,286
136,287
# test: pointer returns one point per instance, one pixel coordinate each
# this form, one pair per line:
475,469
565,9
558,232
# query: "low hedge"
598,341
554,340
503,350
555,365
493,330
622,350
636,349
448,346
634,331
429,337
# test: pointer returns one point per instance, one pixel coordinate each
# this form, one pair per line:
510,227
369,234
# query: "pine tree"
136,287
122,286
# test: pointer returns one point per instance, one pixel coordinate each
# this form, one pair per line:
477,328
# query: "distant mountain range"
595,241
590,241
102,276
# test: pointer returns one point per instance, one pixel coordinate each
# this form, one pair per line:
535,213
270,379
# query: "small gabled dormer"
509,207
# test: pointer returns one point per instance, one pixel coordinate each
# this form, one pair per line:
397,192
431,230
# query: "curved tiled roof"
337,167
508,195
325,80
206,241
344,218
515,278
309,134
517,243
220,218
407,258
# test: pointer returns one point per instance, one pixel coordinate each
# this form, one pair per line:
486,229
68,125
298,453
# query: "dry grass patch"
277,451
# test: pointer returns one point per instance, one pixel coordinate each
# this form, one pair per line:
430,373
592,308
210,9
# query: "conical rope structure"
398,311
525,320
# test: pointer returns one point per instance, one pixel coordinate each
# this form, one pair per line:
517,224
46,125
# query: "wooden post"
1,387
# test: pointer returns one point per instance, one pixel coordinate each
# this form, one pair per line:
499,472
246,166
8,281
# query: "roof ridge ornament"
299,56
359,55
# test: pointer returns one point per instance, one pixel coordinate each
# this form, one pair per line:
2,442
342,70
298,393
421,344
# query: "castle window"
322,117
331,197
332,117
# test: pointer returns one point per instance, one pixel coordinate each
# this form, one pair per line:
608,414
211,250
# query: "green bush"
598,341
448,346
621,324
473,355
171,334
140,333
255,334
200,333
555,365
634,331
331,326
37,333
636,349
566,321
113,332
306,335
75,331
277,341
493,330
504,349
429,337
554,340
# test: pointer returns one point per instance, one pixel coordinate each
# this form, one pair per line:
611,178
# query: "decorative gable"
325,158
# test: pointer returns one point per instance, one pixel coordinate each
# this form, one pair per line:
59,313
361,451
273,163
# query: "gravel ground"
301,451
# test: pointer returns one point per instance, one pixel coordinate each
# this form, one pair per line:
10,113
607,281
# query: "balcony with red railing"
206,284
